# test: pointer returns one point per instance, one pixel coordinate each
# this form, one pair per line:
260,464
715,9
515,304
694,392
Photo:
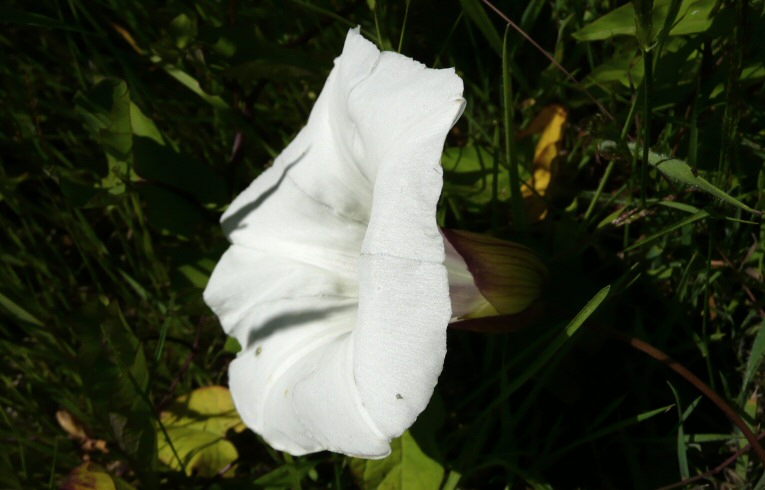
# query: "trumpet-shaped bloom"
335,284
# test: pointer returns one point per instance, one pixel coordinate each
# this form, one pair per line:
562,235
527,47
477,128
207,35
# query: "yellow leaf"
549,122
128,38
197,424
77,431
70,424
89,476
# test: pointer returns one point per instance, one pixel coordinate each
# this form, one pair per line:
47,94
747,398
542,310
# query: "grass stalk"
403,26
647,109
516,198
706,313
708,392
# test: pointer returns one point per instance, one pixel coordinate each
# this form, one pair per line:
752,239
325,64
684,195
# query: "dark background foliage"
128,126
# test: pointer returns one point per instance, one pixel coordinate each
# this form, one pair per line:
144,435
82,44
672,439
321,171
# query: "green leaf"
684,173
183,29
287,474
623,68
144,127
196,425
105,109
693,17
115,375
414,459
407,467
620,21
468,175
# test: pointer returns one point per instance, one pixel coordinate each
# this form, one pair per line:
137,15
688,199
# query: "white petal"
404,304
282,312
253,291
275,214
400,338
335,285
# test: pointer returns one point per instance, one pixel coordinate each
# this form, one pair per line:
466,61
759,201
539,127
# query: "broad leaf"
549,123
693,17
105,109
468,174
286,475
196,425
407,468
90,476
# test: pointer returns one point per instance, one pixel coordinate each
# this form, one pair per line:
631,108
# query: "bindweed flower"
335,284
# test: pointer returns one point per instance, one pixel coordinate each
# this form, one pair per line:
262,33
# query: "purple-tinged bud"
489,276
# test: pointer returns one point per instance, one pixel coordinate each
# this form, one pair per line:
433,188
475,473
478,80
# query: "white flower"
335,284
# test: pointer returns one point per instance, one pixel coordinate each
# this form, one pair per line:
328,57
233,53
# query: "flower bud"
489,276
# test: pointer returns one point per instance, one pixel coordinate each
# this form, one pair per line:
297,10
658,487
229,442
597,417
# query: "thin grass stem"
708,392
516,199
403,26
647,108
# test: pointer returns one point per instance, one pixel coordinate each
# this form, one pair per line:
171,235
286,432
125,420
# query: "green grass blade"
755,359
192,84
687,221
682,455
18,311
480,18
516,199
621,425
563,337
682,172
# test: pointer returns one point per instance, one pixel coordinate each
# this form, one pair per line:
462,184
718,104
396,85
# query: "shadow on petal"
232,222
291,320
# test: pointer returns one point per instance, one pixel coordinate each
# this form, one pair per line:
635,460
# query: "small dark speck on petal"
258,351
399,397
